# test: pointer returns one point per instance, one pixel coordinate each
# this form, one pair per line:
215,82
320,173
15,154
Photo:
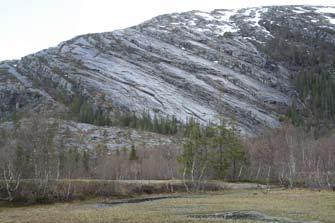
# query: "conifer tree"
133,154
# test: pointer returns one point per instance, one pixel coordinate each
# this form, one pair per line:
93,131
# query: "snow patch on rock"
330,10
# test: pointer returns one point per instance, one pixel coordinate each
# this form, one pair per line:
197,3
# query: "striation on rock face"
17,91
193,64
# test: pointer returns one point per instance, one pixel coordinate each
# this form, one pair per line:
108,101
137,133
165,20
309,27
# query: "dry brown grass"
74,189
294,204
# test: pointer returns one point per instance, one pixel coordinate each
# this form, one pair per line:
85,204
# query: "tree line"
83,110
32,149
290,156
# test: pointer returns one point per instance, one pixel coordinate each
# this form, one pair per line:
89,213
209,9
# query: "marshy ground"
298,205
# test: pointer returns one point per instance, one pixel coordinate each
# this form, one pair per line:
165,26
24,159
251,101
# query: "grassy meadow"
297,204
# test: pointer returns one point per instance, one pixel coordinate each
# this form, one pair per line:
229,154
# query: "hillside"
178,103
232,63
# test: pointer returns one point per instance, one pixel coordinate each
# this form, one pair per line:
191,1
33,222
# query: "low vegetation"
302,205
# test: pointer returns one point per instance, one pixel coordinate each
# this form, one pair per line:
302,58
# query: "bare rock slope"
199,64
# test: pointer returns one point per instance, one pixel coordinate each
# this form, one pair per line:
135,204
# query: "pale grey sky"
28,26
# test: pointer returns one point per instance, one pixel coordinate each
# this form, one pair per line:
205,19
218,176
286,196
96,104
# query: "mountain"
233,63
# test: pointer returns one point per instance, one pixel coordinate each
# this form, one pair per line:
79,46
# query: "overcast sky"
27,26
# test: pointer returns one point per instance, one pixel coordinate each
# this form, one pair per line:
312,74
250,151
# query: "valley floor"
298,205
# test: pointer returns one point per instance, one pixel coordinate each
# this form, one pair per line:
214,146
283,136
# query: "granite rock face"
193,64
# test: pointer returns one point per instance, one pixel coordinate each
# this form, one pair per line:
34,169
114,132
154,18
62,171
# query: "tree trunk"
184,179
